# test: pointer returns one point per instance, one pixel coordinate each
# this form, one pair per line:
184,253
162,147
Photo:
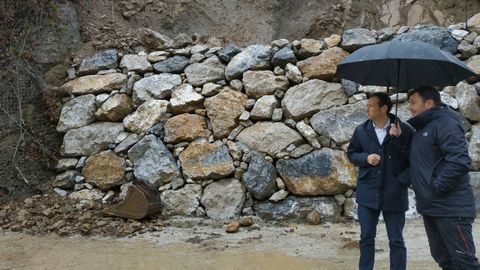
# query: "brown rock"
324,66
205,160
153,40
185,127
313,217
233,227
224,109
115,108
49,213
94,84
333,40
352,245
105,170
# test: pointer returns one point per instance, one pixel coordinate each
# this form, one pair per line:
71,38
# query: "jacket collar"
422,119
368,126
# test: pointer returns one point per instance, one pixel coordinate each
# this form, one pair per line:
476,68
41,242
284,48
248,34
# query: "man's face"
374,111
416,105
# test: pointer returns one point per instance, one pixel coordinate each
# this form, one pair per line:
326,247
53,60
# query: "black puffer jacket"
440,165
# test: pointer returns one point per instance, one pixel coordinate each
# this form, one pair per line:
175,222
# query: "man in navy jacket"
439,175
381,157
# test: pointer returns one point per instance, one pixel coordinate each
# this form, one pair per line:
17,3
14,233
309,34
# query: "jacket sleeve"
455,162
401,145
355,151
400,150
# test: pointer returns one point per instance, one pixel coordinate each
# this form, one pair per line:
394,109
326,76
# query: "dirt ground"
326,246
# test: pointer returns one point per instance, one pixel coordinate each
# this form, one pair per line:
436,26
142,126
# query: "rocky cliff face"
245,22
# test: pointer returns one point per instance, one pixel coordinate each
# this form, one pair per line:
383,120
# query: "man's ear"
384,108
429,104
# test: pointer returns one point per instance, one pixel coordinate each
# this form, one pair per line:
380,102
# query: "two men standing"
438,171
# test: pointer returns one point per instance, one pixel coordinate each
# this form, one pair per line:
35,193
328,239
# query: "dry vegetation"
26,143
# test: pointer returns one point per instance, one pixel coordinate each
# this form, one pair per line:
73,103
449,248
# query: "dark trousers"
451,242
394,221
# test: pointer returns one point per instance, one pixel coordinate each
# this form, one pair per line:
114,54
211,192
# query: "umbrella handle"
396,108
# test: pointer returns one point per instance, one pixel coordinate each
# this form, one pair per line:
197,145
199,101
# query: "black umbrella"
404,65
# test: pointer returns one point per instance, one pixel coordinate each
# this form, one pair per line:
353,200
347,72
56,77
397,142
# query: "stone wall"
228,131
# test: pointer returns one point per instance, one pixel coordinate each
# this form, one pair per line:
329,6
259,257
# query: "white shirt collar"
381,132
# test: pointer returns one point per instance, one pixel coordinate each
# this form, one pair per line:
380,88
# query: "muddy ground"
206,245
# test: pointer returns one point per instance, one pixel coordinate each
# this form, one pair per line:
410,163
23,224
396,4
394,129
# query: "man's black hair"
383,99
426,93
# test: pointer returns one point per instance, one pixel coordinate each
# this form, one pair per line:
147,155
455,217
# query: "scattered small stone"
313,217
352,245
233,227
247,221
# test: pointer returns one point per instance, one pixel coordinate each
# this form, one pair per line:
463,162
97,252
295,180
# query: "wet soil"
208,246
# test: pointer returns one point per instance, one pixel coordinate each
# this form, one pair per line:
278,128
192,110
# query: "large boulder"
321,172
340,122
100,61
283,57
263,108
474,63
473,23
155,87
224,110
146,116
356,38
323,66
175,64
90,140
78,112
296,209
269,137
309,47
226,54
136,63
264,82
185,127
115,108
185,99
468,101
260,177
254,57
223,199
210,70
94,84
307,98
434,35
105,170
203,160
153,163
182,202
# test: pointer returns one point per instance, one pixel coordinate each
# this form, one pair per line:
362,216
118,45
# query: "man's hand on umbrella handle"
395,129
373,159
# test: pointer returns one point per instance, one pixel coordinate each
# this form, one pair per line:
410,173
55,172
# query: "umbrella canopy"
404,65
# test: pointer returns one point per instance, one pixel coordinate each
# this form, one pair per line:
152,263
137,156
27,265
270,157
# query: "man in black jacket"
439,175
381,158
